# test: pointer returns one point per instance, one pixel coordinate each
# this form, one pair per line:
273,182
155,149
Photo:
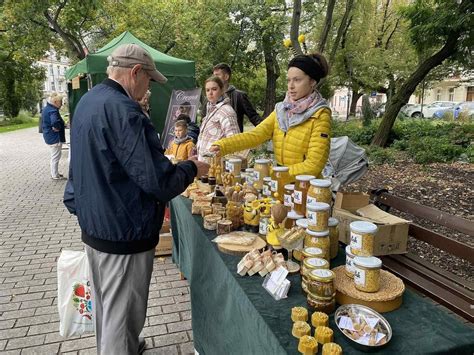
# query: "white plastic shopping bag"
74,294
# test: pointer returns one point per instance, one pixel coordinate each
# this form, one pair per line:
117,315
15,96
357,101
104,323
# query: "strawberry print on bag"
81,298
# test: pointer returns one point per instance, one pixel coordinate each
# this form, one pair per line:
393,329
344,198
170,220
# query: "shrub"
23,117
434,150
380,156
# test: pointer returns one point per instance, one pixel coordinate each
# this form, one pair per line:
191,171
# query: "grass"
23,120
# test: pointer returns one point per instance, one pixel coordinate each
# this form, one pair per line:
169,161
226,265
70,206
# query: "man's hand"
202,168
215,149
55,129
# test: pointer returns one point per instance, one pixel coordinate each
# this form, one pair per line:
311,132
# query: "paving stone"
78,344
2,344
13,333
167,350
174,292
51,327
169,339
164,318
43,319
185,306
7,324
187,348
42,349
154,330
17,314
179,326
25,342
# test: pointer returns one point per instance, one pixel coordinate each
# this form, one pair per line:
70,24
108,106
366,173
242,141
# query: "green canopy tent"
91,70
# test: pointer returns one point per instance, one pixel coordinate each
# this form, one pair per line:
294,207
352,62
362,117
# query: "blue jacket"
50,118
119,179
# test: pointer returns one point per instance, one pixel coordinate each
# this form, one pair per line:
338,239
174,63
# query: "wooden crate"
165,246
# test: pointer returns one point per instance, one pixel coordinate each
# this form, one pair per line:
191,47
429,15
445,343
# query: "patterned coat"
219,123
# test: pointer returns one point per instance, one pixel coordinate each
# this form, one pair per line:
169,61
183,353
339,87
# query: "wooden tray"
241,250
387,299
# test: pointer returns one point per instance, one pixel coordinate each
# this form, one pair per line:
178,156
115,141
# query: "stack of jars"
360,262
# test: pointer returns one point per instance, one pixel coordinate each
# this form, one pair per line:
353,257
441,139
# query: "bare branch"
295,24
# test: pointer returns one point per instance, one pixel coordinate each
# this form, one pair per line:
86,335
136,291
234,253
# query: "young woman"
220,120
299,127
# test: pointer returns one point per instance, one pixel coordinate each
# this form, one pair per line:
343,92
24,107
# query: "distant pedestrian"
54,133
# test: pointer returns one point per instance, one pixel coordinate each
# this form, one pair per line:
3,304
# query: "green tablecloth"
235,315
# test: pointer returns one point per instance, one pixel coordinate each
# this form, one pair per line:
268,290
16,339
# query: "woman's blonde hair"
55,97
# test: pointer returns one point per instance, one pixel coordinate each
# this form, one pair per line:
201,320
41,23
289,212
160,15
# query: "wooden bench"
444,287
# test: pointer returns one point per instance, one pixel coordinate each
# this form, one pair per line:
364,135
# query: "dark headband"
309,65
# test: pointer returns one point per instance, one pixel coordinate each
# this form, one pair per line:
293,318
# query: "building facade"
55,68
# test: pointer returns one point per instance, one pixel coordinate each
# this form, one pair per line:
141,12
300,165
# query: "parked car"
405,108
464,108
428,110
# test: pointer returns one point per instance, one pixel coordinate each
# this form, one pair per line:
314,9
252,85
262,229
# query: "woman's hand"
215,149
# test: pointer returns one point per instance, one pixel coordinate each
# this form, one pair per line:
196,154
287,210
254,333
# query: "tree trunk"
401,98
343,27
11,105
295,27
355,97
327,26
273,72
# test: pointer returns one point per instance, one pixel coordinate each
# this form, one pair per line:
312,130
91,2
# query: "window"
438,95
53,87
451,94
470,93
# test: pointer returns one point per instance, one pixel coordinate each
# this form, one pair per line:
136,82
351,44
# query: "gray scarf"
181,140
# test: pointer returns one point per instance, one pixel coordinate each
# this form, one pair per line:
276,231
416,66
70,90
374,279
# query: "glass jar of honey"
234,165
280,178
261,170
318,216
333,225
321,283
288,195
301,191
291,219
307,266
319,240
319,191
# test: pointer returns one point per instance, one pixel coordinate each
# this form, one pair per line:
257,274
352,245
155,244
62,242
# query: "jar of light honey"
261,170
280,178
301,191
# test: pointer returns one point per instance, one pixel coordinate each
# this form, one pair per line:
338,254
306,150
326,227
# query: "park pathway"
34,228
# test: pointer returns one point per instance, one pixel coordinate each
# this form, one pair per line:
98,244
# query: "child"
182,144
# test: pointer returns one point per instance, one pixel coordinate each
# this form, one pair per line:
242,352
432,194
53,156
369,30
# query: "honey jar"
333,225
321,304
367,273
234,165
318,215
288,195
300,193
261,170
308,265
297,252
321,283
319,191
291,219
319,240
362,238
266,189
249,176
280,178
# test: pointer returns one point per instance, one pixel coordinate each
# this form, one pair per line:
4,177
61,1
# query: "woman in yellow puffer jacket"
299,127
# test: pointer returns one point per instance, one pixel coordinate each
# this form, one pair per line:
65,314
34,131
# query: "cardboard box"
165,246
392,235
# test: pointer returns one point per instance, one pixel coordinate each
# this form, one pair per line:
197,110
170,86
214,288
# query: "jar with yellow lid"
261,170
333,225
362,238
349,268
288,195
318,215
300,193
319,240
319,191
312,252
367,273
280,178
321,304
297,252
266,189
321,283
291,219
308,265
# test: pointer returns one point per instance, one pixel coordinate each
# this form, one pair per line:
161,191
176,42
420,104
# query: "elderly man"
119,184
54,132
238,99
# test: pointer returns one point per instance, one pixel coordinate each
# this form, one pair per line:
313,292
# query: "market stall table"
235,315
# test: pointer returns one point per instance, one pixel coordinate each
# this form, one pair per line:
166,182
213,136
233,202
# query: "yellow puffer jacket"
180,151
304,148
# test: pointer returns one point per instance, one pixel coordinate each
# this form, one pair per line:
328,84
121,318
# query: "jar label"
256,175
313,251
287,200
359,276
266,190
263,226
356,240
312,217
310,200
274,185
321,272
349,264
298,197
228,166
